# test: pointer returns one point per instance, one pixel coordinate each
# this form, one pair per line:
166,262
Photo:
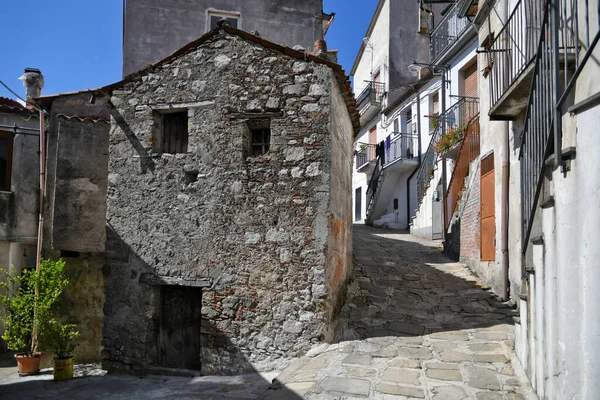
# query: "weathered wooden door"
488,217
179,335
373,142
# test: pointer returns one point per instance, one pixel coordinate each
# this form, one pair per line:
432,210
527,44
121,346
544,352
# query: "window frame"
213,12
160,143
10,137
263,126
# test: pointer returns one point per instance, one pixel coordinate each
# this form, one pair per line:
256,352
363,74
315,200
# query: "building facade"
221,212
388,146
19,186
152,30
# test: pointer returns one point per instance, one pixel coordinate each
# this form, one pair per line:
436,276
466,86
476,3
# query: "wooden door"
372,142
488,209
179,335
470,88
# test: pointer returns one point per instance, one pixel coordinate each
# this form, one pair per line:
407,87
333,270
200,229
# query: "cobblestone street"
416,326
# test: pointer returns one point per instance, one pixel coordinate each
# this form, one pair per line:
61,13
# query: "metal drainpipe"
416,169
41,216
504,149
444,171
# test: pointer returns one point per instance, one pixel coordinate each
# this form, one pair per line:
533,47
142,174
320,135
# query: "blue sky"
77,43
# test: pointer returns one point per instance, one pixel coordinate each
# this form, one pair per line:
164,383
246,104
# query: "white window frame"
213,12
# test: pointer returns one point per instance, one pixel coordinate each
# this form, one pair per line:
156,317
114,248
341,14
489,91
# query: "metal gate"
488,216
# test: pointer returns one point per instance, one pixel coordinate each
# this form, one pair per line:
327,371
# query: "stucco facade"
153,29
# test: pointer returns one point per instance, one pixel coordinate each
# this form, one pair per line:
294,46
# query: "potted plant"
28,299
18,300
449,140
58,338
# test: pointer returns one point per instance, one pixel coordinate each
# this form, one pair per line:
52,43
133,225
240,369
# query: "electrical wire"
12,91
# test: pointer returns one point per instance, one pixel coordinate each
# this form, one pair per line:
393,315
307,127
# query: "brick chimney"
34,83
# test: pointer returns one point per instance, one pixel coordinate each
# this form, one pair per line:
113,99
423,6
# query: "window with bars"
260,139
174,135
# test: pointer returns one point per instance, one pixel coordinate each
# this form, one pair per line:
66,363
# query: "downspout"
444,171
504,148
41,216
419,164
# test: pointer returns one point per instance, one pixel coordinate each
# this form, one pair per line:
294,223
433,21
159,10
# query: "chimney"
321,48
34,83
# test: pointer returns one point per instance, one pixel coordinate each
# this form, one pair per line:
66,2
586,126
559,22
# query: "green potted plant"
58,338
26,312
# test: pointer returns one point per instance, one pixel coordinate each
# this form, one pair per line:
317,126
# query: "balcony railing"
558,63
371,94
514,48
446,32
365,155
457,116
469,151
402,146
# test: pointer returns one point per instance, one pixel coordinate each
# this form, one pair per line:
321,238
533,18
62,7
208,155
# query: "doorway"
179,331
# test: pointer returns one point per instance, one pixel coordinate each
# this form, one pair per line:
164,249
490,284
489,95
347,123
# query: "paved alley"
416,325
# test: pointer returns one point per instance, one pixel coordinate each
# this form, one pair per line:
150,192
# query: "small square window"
260,140
214,17
174,135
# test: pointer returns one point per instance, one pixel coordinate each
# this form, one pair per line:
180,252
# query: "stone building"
19,186
153,29
226,177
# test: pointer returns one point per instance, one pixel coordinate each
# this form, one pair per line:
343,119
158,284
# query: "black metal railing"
557,65
371,94
457,116
365,155
446,32
401,146
373,184
514,48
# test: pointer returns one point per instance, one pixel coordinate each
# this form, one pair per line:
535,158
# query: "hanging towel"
388,143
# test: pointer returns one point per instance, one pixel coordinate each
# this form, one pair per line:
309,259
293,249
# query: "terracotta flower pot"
28,365
63,368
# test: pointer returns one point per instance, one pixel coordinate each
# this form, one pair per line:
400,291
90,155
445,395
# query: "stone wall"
253,233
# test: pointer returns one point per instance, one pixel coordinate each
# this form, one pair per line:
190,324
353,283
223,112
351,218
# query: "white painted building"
393,131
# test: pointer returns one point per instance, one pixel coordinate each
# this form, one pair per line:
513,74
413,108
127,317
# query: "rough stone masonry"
247,256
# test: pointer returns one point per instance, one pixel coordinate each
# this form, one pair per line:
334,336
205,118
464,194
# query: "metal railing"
469,151
401,146
514,48
365,155
457,116
557,66
373,184
446,32
371,94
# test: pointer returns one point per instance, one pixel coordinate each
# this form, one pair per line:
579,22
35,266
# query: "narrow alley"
416,325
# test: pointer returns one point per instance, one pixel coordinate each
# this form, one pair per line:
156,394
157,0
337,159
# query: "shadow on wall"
159,328
146,162
401,289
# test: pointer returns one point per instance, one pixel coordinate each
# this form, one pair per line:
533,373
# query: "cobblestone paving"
416,325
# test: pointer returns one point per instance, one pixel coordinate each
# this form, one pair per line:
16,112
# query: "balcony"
365,159
369,101
510,58
401,146
447,32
